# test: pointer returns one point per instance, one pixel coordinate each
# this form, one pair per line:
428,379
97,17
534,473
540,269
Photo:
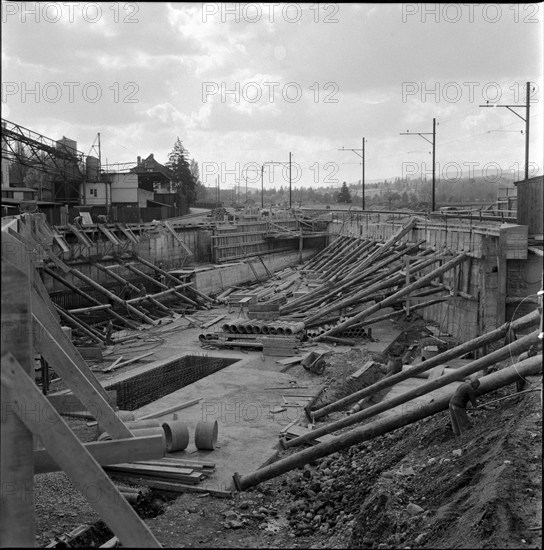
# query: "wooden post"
488,383
502,267
17,524
407,268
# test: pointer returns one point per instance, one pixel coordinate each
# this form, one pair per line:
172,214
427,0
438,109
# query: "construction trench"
155,369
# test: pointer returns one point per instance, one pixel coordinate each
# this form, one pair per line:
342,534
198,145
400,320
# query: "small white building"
125,190
96,193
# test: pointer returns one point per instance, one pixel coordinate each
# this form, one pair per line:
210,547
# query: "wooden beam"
169,410
78,463
51,341
422,281
172,278
127,362
115,276
93,334
113,296
80,292
524,322
511,350
157,294
489,383
109,452
158,283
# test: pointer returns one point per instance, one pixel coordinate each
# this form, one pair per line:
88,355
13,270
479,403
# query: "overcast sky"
243,84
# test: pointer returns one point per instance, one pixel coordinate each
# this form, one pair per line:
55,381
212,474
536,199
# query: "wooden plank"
59,239
213,321
69,453
182,488
290,360
153,469
116,362
108,452
17,523
127,362
111,237
192,478
177,463
85,241
169,410
436,372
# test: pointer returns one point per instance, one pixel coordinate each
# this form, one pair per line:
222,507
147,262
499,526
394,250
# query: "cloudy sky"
244,84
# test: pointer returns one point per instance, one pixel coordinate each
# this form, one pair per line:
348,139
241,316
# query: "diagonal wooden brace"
68,452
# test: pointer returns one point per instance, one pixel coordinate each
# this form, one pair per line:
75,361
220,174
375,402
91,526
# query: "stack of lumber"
240,298
171,470
280,346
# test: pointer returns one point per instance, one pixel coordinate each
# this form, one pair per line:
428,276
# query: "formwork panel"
148,386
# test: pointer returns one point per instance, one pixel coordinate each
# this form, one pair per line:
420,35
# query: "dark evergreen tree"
344,195
182,176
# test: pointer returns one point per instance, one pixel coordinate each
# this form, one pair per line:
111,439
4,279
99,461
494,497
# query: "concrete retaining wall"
214,281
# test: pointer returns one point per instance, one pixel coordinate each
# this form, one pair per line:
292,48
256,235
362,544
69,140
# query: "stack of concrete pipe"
252,326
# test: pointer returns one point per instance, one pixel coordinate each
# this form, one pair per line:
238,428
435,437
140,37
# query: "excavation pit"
146,387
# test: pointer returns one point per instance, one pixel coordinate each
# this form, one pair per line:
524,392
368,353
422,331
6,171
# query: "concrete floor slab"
236,397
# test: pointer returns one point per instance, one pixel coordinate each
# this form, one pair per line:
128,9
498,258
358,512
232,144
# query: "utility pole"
290,179
262,185
527,108
433,143
361,154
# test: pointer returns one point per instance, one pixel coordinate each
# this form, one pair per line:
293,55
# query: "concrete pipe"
240,328
133,498
124,416
273,329
294,328
141,424
139,432
257,327
177,436
246,328
280,330
265,329
206,435
225,327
